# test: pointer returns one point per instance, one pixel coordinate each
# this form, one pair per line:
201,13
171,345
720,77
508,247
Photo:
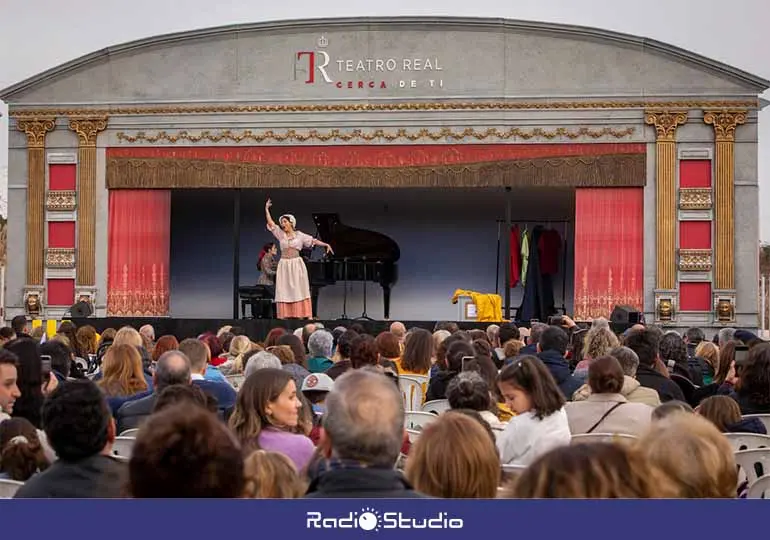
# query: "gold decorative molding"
88,129
618,170
293,135
695,199
383,106
665,122
60,201
695,260
725,123
36,129
60,258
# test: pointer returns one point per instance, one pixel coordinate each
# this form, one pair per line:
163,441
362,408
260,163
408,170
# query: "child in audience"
540,423
21,454
271,475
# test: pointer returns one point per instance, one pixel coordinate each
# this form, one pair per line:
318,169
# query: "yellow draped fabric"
489,307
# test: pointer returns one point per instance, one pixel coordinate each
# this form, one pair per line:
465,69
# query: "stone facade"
387,81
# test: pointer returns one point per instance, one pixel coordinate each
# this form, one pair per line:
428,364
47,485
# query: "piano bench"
261,308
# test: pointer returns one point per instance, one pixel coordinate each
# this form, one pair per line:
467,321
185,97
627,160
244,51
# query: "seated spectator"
552,351
632,390
530,348
673,353
363,352
707,357
184,393
595,470
86,340
692,452
606,410
9,389
645,343
470,391
725,378
598,341
470,471
541,422
271,475
21,452
399,331
198,353
725,414
361,441
6,334
165,343
285,354
266,414
389,348
122,376
256,360
235,363
439,384
29,379
341,357
173,368
185,451
752,390
273,335
79,427
664,410
418,352
315,387
297,347
215,349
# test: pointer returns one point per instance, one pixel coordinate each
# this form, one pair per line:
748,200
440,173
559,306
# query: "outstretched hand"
329,250
268,204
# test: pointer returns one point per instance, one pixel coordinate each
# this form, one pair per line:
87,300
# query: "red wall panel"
695,173
695,235
61,292
62,177
694,296
61,234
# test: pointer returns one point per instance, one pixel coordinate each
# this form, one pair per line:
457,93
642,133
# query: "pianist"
267,264
292,287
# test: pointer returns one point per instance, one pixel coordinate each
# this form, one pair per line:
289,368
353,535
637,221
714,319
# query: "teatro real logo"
370,519
318,66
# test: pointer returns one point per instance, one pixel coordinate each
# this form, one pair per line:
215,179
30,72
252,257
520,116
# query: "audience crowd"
550,411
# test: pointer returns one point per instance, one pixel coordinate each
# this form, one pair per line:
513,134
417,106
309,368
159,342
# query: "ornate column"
88,129
665,122
724,123
36,130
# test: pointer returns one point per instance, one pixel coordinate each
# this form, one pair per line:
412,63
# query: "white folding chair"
513,468
436,406
412,390
753,463
8,488
764,418
748,441
236,380
760,489
602,437
417,420
130,433
413,435
123,446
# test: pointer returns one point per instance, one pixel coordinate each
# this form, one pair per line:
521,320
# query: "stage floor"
256,329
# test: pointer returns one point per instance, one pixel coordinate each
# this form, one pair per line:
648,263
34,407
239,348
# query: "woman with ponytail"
21,453
541,422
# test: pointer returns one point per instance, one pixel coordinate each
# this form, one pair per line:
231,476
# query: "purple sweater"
297,448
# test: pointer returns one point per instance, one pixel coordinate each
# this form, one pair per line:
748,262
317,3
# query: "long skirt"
292,289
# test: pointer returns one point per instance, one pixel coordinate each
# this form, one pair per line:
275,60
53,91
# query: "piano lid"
352,242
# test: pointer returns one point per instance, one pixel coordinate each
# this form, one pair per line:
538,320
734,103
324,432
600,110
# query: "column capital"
36,129
724,123
88,128
665,122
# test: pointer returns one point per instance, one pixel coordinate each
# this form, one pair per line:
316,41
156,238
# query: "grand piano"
359,255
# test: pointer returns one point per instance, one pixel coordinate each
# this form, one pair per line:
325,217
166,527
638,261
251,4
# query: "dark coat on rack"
538,301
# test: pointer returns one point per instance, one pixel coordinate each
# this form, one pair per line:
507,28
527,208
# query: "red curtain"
138,253
609,250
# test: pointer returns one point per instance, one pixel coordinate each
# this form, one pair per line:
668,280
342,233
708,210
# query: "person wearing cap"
315,387
292,286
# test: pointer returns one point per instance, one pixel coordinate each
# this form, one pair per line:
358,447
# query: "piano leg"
314,300
386,300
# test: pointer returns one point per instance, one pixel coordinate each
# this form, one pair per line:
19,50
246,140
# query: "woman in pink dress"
292,287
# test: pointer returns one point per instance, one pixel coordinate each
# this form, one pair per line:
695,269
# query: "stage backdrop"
448,240
609,250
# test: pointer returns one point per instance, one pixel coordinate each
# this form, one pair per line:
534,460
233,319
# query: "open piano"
359,255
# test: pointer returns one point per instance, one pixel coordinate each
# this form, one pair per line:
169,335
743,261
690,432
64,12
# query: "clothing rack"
509,223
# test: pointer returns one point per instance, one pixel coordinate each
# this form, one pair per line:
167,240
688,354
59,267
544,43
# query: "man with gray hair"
173,367
632,390
725,335
260,360
320,347
363,430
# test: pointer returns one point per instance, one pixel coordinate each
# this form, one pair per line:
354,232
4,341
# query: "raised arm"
268,217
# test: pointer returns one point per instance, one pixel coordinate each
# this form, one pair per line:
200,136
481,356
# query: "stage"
256,329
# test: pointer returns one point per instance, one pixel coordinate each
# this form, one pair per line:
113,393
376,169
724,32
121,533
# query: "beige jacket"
626,417
632,391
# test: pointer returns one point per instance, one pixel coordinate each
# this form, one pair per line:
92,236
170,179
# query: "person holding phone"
753,373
